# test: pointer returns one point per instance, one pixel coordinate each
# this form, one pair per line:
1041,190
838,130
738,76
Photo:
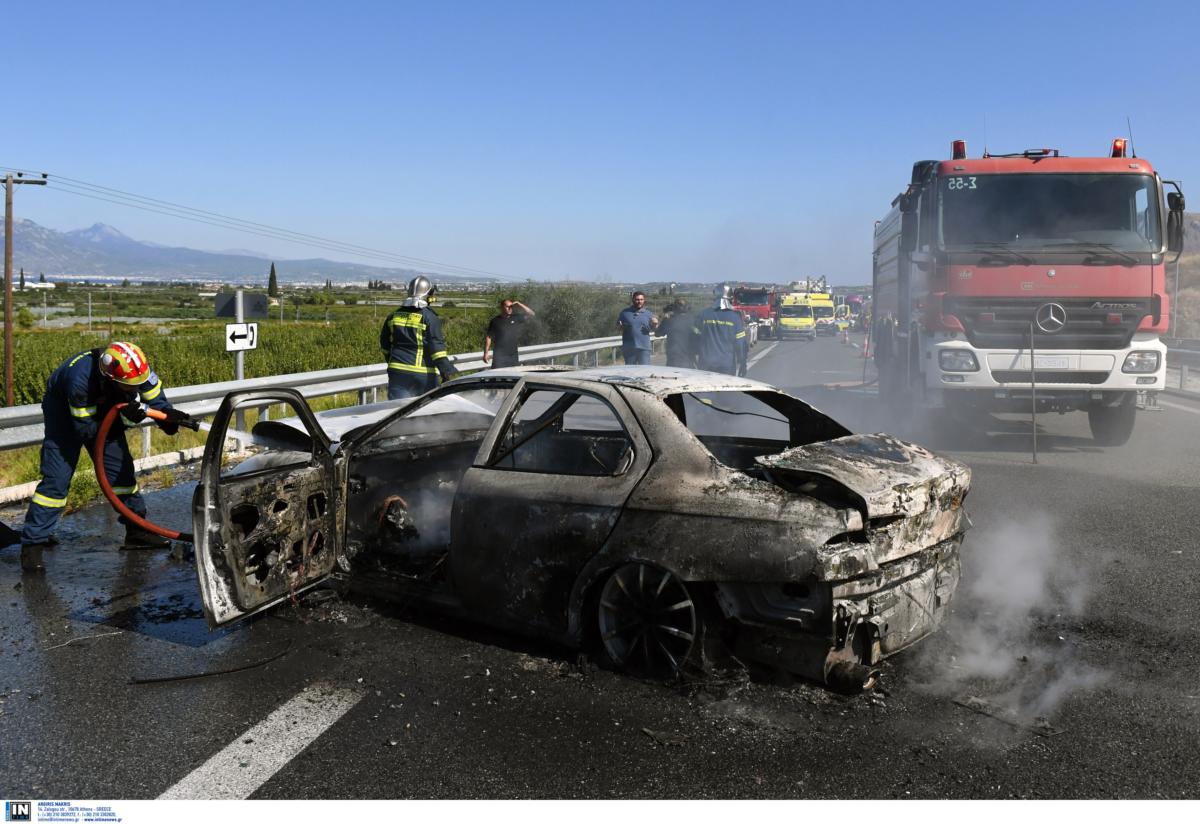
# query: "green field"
189,348
319,330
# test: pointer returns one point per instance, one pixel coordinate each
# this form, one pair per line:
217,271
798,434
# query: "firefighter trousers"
403,384
60,454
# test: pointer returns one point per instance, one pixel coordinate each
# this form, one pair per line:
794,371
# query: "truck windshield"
751,297
795,311
1104,212
823,311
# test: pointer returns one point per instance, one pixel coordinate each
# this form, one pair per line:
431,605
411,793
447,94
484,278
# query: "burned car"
659,516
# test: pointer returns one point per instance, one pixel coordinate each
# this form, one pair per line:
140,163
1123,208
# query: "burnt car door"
544,493
268,513
402,474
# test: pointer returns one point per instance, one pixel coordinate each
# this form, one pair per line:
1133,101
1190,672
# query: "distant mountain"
100,251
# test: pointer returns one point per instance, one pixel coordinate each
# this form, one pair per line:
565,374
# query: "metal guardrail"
22,425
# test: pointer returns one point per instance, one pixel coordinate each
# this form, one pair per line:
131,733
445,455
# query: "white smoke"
1006,643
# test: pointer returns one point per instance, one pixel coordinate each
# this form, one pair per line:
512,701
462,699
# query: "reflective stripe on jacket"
412,340
720,340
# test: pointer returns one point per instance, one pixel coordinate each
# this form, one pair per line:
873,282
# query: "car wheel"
648,621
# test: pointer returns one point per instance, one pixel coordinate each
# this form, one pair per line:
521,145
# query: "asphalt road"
1074,630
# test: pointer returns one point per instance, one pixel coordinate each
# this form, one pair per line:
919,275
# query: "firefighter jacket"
720,340
412,341
77,390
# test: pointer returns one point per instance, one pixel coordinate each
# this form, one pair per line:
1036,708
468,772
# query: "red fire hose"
106,487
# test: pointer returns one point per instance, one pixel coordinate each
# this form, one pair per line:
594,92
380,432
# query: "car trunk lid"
886,477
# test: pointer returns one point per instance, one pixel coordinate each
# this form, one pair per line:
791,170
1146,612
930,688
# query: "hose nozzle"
173,416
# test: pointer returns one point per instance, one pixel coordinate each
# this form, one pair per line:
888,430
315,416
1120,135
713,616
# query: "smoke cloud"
1005,647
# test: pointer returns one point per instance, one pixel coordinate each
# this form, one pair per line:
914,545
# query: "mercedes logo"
1050,318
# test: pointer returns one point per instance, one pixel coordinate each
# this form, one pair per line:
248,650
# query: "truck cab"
1027,278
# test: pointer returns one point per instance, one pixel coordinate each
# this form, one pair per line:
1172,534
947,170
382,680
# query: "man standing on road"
79,393
636,322
681,350
720,336
503,332
413,344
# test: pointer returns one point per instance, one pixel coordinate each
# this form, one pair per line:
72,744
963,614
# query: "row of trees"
41,279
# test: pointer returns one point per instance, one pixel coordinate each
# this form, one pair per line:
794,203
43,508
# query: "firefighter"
677,327
413,344
720,336
79,393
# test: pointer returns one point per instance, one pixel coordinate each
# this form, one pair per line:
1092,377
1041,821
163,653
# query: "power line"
131,200
238,224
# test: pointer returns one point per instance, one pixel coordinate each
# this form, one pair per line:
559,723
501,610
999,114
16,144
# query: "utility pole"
9,181
89,311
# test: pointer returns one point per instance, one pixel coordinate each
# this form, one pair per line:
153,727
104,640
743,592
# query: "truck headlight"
957,360
1140,362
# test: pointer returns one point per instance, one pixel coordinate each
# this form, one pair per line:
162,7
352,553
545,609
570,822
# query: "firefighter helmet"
125,363
420,288
723,295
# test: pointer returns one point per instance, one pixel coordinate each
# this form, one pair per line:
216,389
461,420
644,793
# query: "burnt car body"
657,513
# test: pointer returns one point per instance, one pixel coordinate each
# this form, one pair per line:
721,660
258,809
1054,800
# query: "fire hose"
102,475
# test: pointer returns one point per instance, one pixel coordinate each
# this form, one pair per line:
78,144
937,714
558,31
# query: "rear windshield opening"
738,426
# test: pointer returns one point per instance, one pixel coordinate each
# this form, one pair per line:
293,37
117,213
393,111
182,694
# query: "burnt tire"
649,623
1113,425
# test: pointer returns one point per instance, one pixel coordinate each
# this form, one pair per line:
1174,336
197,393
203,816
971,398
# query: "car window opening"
738,426
564,433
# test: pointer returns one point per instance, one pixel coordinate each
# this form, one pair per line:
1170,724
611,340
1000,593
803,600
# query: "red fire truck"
756,301
1028,274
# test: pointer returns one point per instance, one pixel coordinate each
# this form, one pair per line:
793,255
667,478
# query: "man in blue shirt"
636,322
720,336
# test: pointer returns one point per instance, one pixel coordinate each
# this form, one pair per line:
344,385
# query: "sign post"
239,337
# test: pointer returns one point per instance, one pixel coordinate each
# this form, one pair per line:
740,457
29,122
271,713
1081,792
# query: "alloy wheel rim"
647,620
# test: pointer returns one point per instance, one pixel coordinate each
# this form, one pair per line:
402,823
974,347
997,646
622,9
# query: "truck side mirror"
1175,230
1175,201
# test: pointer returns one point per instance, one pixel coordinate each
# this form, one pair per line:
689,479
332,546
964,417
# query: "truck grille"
1022,376
1087,324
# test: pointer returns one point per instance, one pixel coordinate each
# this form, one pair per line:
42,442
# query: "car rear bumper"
811,629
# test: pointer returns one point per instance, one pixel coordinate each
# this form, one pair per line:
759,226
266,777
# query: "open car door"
268,514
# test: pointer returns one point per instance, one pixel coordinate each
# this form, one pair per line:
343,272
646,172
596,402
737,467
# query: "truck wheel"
1112,425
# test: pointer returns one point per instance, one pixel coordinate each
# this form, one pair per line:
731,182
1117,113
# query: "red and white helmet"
125,363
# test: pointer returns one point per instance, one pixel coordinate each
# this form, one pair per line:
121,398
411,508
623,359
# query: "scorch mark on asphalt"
257,754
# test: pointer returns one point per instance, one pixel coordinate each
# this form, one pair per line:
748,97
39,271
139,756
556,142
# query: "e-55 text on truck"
998,277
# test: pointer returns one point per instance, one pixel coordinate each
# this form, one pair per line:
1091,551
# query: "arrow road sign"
240,337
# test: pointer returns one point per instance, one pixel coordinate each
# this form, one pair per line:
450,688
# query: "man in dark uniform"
503,333
413,344
79,393
677,327
720,336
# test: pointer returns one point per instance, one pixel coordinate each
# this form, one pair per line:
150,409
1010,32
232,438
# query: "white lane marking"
260,752
1180,407
759,356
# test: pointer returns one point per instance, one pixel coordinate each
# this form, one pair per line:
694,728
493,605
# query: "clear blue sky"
639,140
